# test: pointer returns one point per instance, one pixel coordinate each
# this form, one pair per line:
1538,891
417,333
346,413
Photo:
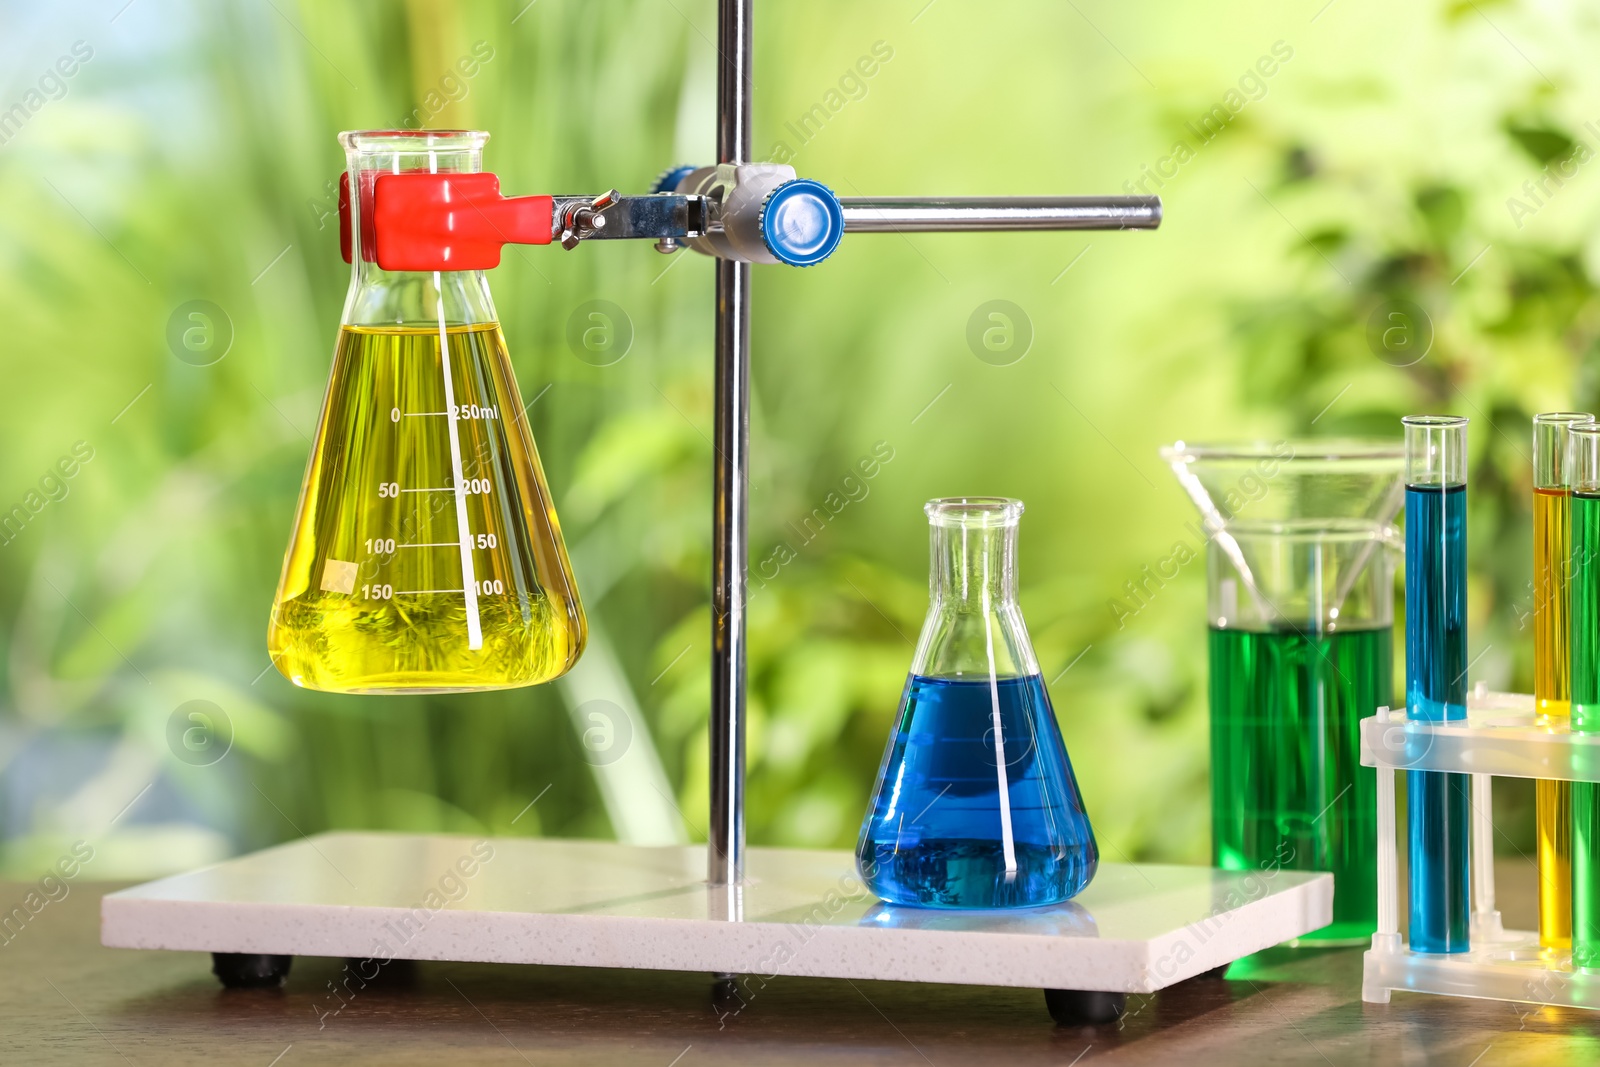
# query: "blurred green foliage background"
1437,153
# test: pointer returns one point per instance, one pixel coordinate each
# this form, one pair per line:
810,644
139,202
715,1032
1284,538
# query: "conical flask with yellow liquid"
426,556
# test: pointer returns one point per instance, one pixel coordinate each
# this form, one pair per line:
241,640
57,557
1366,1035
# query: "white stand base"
1136,929
1513,968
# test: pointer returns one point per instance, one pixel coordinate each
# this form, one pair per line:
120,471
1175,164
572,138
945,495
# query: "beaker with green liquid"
1300,614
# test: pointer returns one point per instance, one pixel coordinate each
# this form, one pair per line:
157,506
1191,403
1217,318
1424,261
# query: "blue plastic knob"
801,222
668,180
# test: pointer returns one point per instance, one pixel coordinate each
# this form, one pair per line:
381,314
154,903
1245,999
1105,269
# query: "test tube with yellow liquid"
1552,663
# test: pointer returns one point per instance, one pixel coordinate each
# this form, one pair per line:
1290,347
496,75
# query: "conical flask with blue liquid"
976,805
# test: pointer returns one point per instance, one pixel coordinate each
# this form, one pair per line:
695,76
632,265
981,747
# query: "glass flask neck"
972,566
380,297
974,627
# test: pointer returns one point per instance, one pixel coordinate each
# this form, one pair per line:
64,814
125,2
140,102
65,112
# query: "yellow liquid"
415,567
1552,691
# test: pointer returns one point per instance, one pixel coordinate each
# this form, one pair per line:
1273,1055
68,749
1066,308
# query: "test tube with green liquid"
1585,644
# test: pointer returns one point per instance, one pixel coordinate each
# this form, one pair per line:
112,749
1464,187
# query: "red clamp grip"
424,222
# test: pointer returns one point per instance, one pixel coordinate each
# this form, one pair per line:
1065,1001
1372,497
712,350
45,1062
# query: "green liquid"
1287,786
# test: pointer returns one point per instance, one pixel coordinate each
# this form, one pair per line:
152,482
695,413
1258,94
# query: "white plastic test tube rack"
1500,736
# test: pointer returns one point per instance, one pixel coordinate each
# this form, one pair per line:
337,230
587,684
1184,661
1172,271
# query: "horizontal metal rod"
948,214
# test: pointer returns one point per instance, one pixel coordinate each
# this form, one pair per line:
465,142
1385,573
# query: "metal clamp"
576,220
737,194
611,216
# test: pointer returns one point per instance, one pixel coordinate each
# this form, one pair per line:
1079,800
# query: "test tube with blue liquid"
1439,805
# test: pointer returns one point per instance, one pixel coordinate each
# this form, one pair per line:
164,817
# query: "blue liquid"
934,836
1436,602
1439,806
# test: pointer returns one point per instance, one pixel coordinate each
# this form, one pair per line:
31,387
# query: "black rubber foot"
246,970
1215,974
726,997
1084,1007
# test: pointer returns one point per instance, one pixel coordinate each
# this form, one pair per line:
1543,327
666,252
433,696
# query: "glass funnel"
425,555
976,805
1300,611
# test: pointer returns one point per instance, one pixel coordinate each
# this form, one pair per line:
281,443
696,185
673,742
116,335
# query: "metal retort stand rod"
730,506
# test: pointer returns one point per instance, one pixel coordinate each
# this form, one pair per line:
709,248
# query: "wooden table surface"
65,999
